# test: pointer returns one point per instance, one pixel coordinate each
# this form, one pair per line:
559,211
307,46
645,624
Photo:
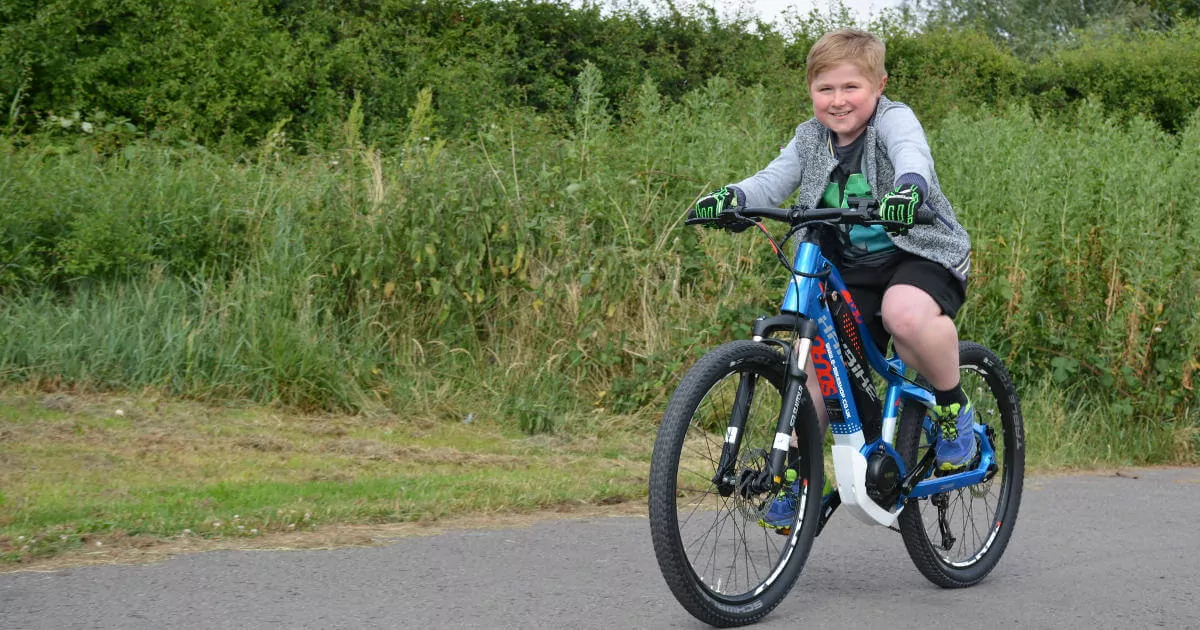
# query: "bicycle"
721,455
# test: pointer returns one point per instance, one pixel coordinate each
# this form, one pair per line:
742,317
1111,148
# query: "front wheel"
723,565
956,538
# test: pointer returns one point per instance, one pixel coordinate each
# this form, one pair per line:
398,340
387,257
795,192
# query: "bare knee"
907,311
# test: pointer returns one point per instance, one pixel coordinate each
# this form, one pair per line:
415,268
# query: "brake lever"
736,222
733,221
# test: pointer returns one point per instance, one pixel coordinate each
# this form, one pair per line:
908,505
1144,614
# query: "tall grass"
1086,252
538,274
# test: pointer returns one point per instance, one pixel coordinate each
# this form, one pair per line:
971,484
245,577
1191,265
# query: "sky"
770,10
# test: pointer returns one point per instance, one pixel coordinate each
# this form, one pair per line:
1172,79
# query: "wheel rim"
730,554
974,515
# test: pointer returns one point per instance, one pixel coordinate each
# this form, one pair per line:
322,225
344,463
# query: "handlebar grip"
925,216
730,220
691,219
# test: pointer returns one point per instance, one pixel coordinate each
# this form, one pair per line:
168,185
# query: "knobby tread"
916,540
672,557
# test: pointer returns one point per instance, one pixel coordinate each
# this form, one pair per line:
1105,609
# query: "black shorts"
868,282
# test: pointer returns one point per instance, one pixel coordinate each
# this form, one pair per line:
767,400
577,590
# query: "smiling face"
844,99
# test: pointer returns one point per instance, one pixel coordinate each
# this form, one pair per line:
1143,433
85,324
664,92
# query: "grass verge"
81,474
94,478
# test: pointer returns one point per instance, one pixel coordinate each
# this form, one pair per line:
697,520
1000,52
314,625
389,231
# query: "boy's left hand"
900,205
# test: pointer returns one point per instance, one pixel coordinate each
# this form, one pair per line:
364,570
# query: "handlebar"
862,211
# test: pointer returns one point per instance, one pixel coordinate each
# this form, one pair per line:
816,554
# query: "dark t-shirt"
849,160
862,246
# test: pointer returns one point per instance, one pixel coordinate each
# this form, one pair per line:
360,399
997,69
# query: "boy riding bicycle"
908,285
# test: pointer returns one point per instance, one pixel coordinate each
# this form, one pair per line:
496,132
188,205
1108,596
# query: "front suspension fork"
725,479
769,478
789,412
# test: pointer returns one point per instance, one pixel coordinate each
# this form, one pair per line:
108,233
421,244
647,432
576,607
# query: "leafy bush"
214,73
75,214
1145,73
940,71
210,71
202,70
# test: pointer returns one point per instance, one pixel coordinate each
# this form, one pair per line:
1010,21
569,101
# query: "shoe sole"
781,530
944,470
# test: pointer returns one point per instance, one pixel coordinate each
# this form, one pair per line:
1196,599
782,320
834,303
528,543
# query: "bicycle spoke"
957,543
712,548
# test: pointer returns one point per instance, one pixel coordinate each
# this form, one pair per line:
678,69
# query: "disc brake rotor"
752,504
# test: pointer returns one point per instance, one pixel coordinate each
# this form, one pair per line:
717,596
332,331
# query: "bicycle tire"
980,518
709,547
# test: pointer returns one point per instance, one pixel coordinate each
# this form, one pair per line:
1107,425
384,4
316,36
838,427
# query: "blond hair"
848,45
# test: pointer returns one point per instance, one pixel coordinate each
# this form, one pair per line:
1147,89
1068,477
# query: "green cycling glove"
900,205
716,210
715,202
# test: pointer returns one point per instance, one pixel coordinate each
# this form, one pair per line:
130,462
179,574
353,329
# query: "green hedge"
1151,74
214,71
943,71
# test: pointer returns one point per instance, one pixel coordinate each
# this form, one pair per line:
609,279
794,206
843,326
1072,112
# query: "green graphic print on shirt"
869,239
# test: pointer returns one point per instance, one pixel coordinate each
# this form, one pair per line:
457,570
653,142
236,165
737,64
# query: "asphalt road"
1090,551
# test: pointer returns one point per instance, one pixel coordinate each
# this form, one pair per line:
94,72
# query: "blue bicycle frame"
815,277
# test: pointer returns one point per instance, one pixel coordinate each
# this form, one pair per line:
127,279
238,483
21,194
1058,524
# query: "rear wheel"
956,538
722,565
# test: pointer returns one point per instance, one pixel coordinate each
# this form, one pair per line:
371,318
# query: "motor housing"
883,478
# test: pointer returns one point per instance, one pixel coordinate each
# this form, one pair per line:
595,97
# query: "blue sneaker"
782,512
956,447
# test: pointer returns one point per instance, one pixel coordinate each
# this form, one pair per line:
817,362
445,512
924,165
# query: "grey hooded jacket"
895,153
